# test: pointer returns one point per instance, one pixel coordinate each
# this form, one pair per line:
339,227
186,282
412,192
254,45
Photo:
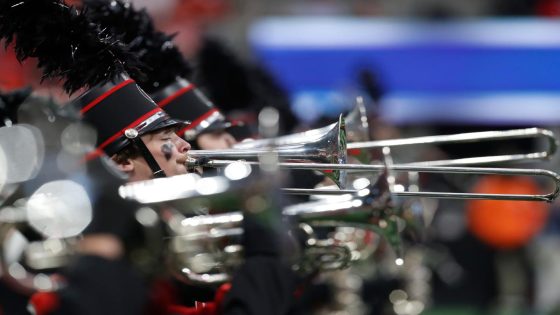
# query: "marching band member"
140,138
166,75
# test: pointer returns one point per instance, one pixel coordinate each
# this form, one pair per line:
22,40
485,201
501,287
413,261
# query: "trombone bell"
329,148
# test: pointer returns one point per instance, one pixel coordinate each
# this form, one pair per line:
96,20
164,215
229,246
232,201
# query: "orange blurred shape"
506,224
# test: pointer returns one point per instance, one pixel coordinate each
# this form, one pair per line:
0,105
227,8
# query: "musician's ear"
125,165
133,166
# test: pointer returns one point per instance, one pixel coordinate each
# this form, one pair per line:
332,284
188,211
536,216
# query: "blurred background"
424,67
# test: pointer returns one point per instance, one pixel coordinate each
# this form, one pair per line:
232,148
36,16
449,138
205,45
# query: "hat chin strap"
157,172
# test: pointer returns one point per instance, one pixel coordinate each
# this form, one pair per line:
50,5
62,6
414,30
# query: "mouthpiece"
194,164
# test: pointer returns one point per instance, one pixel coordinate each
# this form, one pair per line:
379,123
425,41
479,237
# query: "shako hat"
85,56
182,99
165,67
120,111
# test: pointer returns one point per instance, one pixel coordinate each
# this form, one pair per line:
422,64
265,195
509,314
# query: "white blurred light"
317,207
161,189
269,118
417,307
53,245
146,216
23,149
209,186
202,262
397,296
3,169
398,188
361,183
43,282
363,192
402,308
16,271
14,246
386,150
78,138
237,170
269,161
204,124
399,261
357,203
212,220
59,209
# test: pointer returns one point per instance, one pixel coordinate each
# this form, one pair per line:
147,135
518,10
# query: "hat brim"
220,125
162,123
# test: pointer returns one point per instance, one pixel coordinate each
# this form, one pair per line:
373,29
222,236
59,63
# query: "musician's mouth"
190,164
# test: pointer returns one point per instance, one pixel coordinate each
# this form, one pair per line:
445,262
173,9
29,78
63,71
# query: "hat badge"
131,133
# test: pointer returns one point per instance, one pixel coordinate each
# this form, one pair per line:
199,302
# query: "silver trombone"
356,124
422,169
357,130
470,137
356,148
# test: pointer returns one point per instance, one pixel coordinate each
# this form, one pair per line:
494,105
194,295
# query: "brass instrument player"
168,86
166,75
140,138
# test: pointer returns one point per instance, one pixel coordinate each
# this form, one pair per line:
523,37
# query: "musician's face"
169,151
216,140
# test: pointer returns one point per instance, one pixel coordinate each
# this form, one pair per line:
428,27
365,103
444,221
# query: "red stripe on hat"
198,121
173,96
99,150
105,95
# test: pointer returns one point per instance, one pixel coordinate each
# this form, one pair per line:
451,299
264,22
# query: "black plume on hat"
162,61
69,46
165,67
66,44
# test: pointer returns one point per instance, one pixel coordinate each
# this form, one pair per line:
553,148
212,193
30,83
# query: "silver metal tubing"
471,137
356,123
424,169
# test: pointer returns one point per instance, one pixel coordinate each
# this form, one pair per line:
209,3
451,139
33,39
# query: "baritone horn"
206,248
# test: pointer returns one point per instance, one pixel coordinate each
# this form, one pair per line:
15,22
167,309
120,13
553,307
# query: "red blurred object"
201,9
203,308
506,224
12,75
43,303
76,3
550,8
